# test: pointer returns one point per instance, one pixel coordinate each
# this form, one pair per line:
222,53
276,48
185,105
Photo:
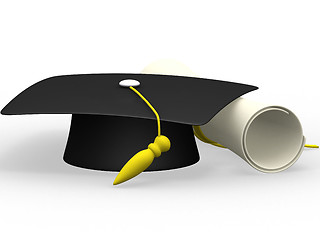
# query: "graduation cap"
117,115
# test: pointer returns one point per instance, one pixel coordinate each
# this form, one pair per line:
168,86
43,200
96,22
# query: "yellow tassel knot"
143,159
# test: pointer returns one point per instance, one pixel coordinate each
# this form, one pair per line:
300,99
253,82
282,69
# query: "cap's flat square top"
186,100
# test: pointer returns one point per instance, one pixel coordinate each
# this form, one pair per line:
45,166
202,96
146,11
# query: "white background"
271,44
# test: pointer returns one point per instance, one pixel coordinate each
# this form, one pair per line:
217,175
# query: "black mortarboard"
110,123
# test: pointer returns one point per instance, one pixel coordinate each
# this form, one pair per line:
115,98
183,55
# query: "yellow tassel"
142,160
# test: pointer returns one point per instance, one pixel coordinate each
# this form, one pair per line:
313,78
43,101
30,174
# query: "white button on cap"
129,83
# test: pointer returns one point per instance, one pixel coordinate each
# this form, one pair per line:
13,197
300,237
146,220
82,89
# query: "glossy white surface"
129,83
